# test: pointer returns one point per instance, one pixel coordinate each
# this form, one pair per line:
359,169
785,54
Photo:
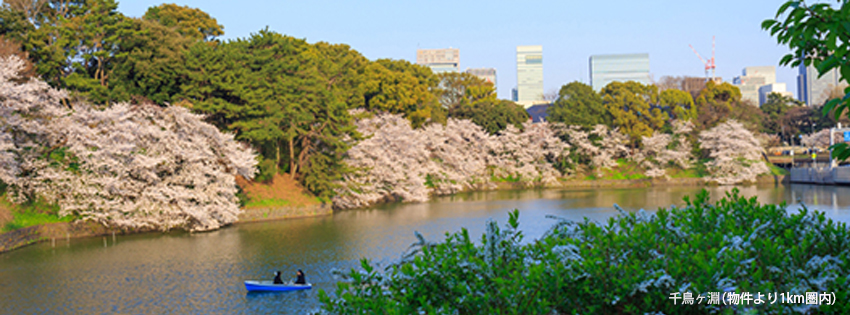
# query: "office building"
815,91
605,69
439,60
756,83
778,88
529,75
488,74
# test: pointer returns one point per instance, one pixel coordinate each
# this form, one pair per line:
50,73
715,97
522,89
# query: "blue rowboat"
253,285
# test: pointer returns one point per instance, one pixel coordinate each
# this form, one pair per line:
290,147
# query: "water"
182,273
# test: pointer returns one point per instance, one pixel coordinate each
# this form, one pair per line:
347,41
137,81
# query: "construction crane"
709,64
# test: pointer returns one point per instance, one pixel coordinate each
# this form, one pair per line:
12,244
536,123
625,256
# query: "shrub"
631,264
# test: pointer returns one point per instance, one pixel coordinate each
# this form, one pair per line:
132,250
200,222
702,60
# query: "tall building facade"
488,74
815,91
756,83
439,60
605,69
529,75
778,88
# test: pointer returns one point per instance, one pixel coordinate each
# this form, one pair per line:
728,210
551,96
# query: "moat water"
203,273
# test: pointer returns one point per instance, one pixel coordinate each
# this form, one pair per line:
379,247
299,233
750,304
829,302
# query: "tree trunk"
293,166
277,157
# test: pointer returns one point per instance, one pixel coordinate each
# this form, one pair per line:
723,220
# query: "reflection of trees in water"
814,195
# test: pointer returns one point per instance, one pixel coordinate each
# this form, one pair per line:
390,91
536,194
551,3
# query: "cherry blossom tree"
396,162
735,152
661,150
819,139
126,166
601,146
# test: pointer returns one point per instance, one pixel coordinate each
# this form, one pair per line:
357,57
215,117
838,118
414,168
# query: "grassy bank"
281,191
18,216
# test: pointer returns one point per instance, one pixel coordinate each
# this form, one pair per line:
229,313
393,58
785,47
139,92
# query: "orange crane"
709,64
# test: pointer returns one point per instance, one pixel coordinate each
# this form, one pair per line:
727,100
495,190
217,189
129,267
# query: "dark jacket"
277,279
301,279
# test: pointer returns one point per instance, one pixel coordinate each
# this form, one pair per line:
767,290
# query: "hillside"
282,191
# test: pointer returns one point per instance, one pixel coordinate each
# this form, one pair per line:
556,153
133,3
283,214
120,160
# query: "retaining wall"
821,175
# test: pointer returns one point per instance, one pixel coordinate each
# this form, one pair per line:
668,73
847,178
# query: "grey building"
488,74
815,91
439,60
605,69
529,75
756,83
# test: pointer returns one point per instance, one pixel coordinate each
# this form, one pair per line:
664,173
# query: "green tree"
818,35
774,109
717,103
398,86
14,24
635,109
150,62
279,93
458,89
579,105
187,21
466,96
97,34
493,116
679,104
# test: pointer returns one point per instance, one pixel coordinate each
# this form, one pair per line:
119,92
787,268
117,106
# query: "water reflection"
203,273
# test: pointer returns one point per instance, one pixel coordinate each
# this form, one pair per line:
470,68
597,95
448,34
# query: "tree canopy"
190,22
818,36
578,104
634,107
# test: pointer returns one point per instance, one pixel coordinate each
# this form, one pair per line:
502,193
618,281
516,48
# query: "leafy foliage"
629,264
635,108
189,22
774,109
579,105
278,93
818,36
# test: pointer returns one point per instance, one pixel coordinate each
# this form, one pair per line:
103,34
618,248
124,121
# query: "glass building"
815,91
605,69
439,60
529,75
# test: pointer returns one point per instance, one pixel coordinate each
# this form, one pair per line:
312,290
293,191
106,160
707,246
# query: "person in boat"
300,277
277,279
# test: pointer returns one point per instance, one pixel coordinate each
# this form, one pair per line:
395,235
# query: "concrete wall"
821,175
252,215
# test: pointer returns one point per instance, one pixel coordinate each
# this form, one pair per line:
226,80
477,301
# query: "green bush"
267,171
629,265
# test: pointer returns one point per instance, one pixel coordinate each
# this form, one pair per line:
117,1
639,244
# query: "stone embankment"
64,231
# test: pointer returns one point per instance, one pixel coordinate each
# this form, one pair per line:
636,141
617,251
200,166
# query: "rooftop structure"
439,60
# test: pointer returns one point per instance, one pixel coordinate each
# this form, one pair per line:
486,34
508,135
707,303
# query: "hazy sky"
487,32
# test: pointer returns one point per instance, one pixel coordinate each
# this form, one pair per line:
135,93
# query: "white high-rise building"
529,75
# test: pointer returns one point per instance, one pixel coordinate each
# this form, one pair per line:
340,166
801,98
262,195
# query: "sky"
487,32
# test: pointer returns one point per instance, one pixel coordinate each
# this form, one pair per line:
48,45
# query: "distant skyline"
487,33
